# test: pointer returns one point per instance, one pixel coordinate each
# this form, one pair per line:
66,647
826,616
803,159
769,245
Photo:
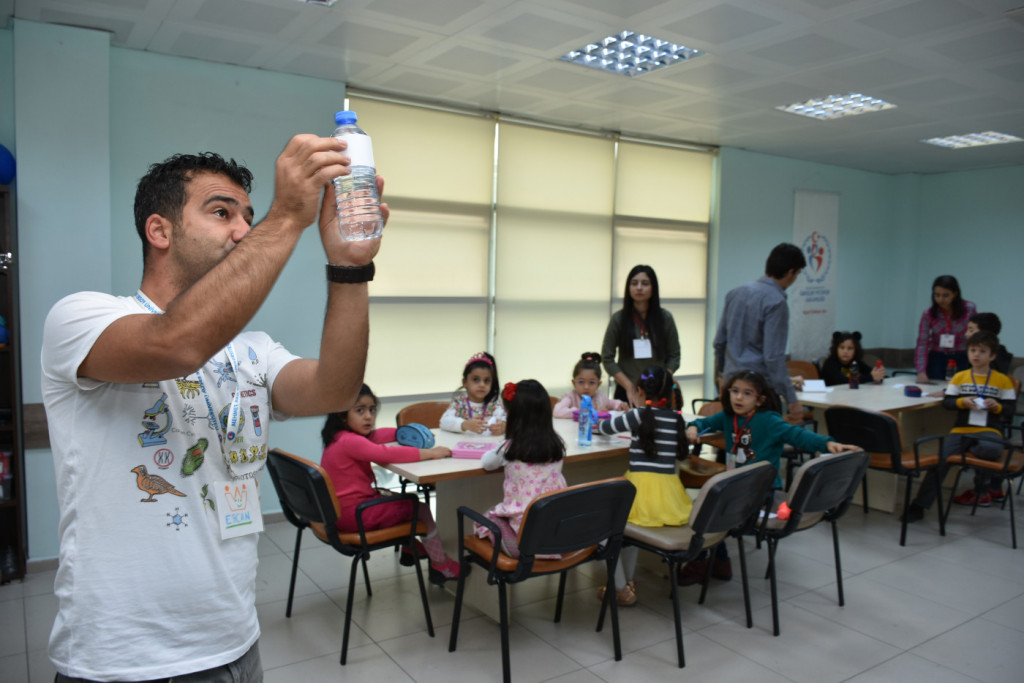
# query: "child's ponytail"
657,385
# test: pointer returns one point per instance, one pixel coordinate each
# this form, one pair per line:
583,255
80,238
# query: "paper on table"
815,386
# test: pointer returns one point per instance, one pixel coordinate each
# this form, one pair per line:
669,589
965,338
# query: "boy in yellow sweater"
983,397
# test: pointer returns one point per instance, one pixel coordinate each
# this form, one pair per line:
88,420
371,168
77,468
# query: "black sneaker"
914,513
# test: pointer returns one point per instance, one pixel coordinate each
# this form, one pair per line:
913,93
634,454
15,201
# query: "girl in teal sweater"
755,431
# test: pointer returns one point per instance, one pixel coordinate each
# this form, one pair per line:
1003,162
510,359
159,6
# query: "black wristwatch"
350,274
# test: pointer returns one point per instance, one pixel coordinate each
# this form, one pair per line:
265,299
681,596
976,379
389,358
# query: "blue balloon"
7,166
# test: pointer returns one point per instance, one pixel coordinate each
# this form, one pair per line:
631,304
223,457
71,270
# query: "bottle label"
360,149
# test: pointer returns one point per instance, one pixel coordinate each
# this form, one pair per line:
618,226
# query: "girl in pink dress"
586,380
351,445
532,456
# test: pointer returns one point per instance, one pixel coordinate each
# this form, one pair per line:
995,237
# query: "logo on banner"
819,257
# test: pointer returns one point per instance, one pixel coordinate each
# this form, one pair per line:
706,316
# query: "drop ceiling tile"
247,16
537,32
619,8
323,66
565,79
421,83
982,46
721,24
806,51
777,94
926,91
472,61
1011,72
871,73
219,49
922,17
632,95
709,75
367,39
433,12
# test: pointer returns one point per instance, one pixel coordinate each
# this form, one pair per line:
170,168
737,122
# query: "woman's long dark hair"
338,422
529,431
655,318
656,383
761,386
948,282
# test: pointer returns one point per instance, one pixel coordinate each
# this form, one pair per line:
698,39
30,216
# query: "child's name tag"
642,348
237,506
946,341
978,418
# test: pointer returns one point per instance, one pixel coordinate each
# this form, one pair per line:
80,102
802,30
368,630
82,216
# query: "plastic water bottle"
950,369
586,421
854,375
878,366
356,196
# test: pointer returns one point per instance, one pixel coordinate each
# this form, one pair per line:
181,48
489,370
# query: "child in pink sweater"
586,380
351,446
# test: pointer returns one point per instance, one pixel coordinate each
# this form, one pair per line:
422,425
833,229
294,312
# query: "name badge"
946,341
978,418
238,508
642,348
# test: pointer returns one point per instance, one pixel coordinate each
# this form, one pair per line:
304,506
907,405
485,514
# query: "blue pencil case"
415,435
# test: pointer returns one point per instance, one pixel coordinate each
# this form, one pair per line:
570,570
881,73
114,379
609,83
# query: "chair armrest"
925,439
388,500
464,512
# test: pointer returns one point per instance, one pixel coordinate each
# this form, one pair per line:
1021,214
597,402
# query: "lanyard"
641,325
981,392
235,413
738,431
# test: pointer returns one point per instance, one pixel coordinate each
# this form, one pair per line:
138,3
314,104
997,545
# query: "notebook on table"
471,449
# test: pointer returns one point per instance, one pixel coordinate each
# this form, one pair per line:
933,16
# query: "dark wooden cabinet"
13,530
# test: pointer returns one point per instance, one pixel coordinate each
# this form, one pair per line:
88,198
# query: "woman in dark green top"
641,334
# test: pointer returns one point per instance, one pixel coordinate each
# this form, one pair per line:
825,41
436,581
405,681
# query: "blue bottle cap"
345,117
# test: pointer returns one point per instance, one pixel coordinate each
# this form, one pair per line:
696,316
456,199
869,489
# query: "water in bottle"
586,421
878,366
356,196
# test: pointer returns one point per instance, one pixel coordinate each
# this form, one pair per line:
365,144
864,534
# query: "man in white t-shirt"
159,405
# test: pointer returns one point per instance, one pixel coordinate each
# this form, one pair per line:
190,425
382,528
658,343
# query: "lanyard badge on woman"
642,346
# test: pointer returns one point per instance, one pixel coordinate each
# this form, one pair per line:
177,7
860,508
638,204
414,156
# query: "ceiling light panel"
837,106
973,140
630,54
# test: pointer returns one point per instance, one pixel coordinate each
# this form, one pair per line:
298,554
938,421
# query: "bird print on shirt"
153,485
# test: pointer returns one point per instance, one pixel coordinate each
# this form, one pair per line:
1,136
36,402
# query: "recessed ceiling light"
630,54
322,3
837,106
973,140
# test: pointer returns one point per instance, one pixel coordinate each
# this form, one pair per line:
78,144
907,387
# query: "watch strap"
350,274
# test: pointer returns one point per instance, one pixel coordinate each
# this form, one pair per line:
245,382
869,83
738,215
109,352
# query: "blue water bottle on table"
586,421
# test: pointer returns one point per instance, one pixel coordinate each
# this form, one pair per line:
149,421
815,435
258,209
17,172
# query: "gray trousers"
245,669
987,446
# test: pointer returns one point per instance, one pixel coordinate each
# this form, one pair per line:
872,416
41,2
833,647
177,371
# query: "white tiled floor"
939,610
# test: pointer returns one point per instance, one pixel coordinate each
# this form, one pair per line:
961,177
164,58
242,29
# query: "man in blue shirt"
754,328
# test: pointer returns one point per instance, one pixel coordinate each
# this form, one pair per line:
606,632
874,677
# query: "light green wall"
896,232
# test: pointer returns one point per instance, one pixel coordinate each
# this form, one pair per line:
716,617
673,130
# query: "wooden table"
917,417
463,482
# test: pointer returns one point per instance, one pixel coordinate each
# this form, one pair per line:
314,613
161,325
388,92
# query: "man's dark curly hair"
162,190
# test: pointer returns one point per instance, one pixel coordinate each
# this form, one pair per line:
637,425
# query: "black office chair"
308,500
1004,471
822,490
728,503
579,524
879,434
